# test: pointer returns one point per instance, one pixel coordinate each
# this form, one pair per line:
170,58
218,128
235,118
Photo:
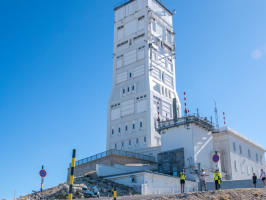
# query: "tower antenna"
216,114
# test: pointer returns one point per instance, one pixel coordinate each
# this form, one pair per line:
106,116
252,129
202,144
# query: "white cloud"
258,53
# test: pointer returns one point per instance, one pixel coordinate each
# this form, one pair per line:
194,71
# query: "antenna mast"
216,114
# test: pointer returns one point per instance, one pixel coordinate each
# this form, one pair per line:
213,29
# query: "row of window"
249,170
129,143
133,126
249,153
128,89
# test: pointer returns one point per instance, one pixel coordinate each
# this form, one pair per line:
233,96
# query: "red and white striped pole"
224,118
185,104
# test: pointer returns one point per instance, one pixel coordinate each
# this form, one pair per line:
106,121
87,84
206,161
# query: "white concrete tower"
143,86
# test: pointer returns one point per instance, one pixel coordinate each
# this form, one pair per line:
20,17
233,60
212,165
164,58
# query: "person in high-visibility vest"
217,179
182,181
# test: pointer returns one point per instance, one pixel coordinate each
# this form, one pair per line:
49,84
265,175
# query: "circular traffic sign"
215,158
43,173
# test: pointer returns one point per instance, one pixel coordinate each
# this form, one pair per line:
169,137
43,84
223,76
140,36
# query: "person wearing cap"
217,179
182,181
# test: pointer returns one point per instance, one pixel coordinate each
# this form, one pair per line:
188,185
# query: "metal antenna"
216,115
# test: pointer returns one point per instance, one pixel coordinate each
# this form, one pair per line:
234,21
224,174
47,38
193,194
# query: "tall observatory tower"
144,84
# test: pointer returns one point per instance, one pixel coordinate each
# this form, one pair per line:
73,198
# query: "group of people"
262,177
217,177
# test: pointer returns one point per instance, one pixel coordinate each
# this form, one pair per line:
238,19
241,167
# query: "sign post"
43,173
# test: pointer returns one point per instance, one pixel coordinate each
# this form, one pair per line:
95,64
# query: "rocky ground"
94,184
81,186
235,194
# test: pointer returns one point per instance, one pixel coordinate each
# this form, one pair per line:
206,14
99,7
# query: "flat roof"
126,2
228,130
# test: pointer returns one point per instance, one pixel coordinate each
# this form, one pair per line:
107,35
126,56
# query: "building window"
235,164
130,74
249,154
124,91
122,144
115,146
129,142
128,89
113,131
133,88
137,140
126,127
240,149
145,139
257,158
133,126
140,124
119,130
234,146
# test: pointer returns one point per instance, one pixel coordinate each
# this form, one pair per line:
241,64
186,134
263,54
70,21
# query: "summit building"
144,82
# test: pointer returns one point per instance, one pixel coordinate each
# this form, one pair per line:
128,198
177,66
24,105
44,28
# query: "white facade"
240,156
197,143
143,85
152,183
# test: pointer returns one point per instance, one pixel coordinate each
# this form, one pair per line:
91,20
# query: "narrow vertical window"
113,131
145,139
137,140
140,124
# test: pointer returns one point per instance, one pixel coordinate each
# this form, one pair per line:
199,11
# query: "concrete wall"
235,184
105,170
152,183
160,184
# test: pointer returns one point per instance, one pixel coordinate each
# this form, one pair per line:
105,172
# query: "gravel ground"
234,194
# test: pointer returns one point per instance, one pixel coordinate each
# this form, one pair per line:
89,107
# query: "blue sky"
56,74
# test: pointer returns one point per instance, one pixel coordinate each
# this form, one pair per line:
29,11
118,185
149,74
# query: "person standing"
254,179
217,179
203,180
182,181
263,177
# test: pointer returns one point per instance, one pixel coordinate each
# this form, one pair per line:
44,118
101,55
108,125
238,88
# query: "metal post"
42,182
71,180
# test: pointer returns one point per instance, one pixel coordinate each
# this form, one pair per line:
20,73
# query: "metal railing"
116,152
203,122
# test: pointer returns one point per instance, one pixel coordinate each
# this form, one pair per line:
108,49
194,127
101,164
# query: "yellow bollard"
71,180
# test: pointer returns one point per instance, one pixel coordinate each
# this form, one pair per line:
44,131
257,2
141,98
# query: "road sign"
215,158
43,173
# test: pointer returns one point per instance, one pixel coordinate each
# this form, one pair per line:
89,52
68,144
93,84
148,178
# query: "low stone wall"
235,184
